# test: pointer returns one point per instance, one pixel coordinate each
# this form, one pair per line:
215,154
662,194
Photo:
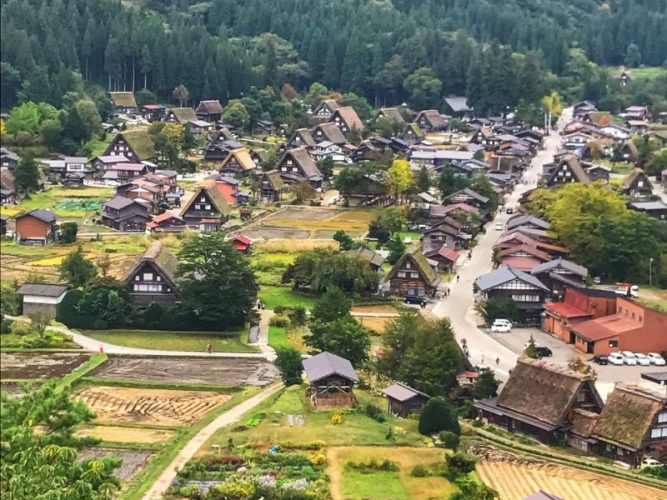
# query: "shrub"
6,326
336,418
282,321
22,328
298,316
438,415
373,466
317,458
449,440
375,413
478,423
68,232
419,471
460,464
290,366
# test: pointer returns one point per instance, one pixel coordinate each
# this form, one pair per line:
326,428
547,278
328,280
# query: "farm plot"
27,365
150,406
116,434
133,460
184,370
514,480
310,222
374,317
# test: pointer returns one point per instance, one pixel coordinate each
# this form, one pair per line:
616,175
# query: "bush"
373,466
438,415
336,418
298,316
419,471
282,321
290,366
478,423
460,464
449,440
5,326
22,328
375,413
68,232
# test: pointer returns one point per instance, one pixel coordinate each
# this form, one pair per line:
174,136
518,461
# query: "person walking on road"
497,361
458,278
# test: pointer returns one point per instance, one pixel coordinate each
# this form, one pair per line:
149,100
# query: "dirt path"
160,486
335,474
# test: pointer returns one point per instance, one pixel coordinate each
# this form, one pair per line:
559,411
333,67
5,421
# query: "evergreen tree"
27,175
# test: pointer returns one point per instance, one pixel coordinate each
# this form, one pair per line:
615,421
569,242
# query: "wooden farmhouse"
182,116
539,399
123,102
152,279
328,132
296,165
331,381
207,209
413,276
347,119
210,111
126,214
567,170
134,144
430,120
302,138
325,110
637,184
271,187
403,400
238,163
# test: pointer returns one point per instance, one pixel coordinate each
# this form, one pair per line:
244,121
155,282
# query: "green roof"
141,142
417,131
123,99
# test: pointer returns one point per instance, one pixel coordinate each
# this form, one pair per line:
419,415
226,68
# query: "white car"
629,358
656,359
616,358
500,226
650,462
643,359
501,326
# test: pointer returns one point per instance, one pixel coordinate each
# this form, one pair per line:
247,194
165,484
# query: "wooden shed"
403,400
331,380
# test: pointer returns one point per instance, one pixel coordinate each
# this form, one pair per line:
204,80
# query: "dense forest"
498,54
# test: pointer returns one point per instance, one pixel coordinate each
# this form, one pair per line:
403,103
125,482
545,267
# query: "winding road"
459,305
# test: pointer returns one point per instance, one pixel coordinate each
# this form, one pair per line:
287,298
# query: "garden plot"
518,478
27,365
184,370
149,406
133,460
116,434
374,317
310,222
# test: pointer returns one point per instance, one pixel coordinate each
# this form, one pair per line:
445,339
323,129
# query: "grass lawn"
278,337
655,298
98,146
50,199
414,235
351,483
267,425
646,73
174,341
273,296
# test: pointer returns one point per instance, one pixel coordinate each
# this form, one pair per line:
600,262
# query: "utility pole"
650,272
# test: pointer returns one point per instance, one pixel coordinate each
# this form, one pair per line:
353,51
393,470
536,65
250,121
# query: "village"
420,268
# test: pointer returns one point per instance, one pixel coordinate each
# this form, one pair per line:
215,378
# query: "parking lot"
562,353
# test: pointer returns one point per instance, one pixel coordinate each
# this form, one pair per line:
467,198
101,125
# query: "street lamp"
650,272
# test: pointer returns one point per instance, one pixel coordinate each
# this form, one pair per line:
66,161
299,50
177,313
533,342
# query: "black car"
600,360
510,210
543,352
414,299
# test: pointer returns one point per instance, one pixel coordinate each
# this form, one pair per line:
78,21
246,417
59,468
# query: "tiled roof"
606,326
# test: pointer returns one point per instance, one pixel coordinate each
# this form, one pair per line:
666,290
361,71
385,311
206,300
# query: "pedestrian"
470,255
482,358
209,348
498,361
457,278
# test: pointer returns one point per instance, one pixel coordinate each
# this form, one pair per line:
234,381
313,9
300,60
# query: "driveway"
459,305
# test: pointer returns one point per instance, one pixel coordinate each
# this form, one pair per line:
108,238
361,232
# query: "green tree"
423,88
633,57
472,489
486,385
107,300
326,166
343,239
531,349
40,319
76,269
68,231
332,305
344,337
396,249
236,114
302,191
391,218
39,452
657,163
459,465
438,415
50,131
482,185
318,270
499,308
290,365
449,183
216,281
423,181
9,301
27,175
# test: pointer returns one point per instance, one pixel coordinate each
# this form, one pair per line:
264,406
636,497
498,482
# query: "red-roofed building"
445,257
242,243
633,327
579,304
167,222
520,263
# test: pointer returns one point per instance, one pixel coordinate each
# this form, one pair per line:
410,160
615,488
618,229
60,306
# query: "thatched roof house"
634,420
539,399
152,278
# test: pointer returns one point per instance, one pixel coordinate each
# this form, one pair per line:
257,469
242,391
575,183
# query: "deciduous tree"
76,269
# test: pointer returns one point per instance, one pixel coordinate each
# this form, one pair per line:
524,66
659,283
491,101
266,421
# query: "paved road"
459,306
161,485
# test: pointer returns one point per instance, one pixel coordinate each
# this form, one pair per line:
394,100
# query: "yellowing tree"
399,177
3,130
553,106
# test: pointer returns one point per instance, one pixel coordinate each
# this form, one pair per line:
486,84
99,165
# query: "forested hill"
222,48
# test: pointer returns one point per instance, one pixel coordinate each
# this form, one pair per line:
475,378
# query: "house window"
197,206
408,265
613,343
158,278
148,276
662,417
659,433
401,274
414,275
208,207
137,278
526,298
294,169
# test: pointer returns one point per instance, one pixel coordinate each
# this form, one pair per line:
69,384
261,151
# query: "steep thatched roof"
392,114
627,415
141,142
632,177
123,99
273,176
161,258
542,390
349,116
583,422
242,157
218,199
573,165
184,115
209,108
417,258
329,131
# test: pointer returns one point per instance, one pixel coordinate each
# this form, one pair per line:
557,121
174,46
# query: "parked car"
509,210
616,358
500,226
642,359
629,358
543,352
415,299
656,358
600,360
650,462
501,326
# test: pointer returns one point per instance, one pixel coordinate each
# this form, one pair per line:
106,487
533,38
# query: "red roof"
520,237
164,216
460,206
448,254
242,239
565,310
521,263
605,327
153,106
469,374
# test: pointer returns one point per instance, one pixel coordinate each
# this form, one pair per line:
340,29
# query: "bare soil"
376,309
133,460
114,434
184,370
149,406
30,365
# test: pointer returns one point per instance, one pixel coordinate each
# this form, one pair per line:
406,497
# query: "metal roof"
505,275
325,364
402,392
42,289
